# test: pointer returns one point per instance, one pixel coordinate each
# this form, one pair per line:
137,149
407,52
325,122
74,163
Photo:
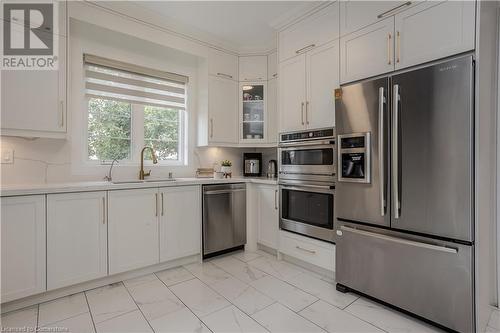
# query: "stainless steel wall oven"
307,167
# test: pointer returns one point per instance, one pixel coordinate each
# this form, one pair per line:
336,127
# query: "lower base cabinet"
132,229
267,215
312,251
180,222
23,263
76,238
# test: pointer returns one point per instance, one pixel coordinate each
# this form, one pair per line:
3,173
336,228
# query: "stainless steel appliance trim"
400,240
395,148
381,159
379,16
366,150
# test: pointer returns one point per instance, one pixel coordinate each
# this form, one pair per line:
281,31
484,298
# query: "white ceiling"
243,27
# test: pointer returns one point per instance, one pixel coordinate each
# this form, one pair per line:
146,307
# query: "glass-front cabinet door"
253,112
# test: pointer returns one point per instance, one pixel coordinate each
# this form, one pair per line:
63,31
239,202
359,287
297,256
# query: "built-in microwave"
308,155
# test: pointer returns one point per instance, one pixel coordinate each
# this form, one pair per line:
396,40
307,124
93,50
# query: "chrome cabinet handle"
389,41
161,203
398,46
61,115
395,150
399,240
307,112
225,75
211,128
306,250
276,199
156,204
393,9
381,161
103,210
305,48
302,112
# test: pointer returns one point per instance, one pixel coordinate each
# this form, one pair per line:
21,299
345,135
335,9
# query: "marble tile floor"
240,292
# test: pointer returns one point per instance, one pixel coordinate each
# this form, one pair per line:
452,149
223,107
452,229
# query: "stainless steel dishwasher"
224,218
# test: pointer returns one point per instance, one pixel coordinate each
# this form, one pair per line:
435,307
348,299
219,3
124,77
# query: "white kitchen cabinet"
253,68
313,31
267,215
253,112
180,222
223,64
272,111
292,93
76,238
306,87
311,251
272,66
367,52
355,15
433,30
222,110
322,70
33,102
23,263
132,229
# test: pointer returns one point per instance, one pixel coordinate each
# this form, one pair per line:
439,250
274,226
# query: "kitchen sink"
138,181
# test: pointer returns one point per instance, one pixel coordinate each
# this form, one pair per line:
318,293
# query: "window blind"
116,80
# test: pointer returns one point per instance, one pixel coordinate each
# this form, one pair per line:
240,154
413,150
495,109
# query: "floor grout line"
90,311
138,307
180,300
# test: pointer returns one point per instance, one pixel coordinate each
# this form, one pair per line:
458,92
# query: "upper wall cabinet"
272,66
253,68
355,15
222,111
34,101
223,64
313,31
434,30
306,89
367,52
410,34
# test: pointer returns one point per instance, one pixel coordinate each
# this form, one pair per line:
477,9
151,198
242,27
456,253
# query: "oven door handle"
307,143
305,187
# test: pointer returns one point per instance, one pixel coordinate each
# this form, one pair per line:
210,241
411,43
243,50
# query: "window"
130,107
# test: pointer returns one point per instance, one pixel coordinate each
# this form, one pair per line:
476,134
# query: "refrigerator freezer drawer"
432,279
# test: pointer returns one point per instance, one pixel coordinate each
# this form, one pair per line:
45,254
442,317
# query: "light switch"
7,156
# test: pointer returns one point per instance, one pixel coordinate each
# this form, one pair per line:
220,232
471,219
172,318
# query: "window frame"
137,138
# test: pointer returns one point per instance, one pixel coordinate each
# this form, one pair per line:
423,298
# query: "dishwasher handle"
223,191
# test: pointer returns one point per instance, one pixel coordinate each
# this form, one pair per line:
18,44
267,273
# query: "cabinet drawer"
309,250
311,32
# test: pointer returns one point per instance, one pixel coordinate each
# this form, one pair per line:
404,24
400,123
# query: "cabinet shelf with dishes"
253,112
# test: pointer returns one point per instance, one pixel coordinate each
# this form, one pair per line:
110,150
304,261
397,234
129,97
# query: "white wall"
48,160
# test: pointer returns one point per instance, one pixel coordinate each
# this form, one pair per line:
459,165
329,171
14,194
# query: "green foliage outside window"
109,129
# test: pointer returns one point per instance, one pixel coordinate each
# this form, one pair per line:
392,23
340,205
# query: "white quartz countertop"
28,189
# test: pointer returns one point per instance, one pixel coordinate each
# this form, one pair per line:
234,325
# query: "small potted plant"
226,166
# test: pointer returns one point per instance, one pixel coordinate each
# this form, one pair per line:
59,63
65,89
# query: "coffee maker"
252,164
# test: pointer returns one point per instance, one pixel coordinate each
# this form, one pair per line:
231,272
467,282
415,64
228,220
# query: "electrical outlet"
7,156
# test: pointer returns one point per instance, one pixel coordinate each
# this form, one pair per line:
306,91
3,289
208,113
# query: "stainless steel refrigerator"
404,204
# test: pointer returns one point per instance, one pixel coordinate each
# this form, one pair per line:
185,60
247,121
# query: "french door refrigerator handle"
400,240
381,160
395,149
